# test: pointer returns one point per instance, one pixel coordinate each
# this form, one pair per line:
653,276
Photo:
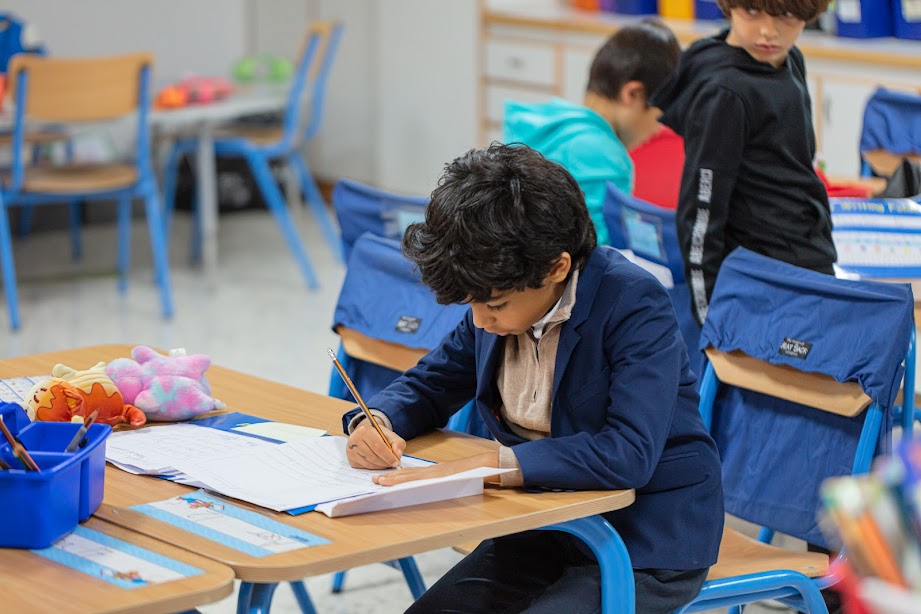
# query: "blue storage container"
14,417
707,9
907,19
864,18
54,437
39,507
632,7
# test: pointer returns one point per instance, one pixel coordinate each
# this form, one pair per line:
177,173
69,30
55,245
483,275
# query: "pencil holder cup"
39,507
14,417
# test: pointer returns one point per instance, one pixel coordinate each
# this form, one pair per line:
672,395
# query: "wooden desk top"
355,540
32,583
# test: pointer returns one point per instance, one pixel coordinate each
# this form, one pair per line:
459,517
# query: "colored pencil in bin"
75,442
19,450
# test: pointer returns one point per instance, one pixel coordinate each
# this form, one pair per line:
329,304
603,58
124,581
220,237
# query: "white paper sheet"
156,449
287,476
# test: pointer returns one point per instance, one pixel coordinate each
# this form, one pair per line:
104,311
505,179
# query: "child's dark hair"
807,10
646,52
498,220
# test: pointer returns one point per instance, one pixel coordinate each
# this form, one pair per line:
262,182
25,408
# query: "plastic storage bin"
630,7
707,9
864,18
907,19
39,507
677,9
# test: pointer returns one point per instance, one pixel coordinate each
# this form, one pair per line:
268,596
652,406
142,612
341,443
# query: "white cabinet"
576,64
841,120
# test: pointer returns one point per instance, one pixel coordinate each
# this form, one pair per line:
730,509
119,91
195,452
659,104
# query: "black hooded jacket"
748,175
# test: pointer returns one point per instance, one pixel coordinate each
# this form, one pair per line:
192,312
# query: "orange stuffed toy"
55,400
98,392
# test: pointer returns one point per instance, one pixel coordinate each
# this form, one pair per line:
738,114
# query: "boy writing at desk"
741,103
577,366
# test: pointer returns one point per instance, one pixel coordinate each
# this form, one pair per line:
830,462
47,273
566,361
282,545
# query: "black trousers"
546,572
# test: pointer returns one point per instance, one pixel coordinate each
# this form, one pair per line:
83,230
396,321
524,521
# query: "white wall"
402,92
186,36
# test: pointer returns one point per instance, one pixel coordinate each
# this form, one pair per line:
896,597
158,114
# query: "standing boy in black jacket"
740,101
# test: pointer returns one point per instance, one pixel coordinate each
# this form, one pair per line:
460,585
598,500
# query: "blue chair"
800,387
361,208
260,146
891,131
45,90
649,232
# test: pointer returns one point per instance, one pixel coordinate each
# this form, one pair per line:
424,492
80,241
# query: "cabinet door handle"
826,110
515,62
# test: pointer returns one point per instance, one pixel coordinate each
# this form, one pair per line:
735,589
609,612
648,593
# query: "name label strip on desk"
229,525
115,561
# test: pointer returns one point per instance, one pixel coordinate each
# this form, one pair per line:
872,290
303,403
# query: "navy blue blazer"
624,412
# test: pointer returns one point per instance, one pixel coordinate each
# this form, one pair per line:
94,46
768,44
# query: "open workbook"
311,471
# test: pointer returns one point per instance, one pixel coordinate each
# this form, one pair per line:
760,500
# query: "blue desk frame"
617,591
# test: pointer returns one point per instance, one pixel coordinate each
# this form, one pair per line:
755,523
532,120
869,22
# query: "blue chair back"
383,298
361,208
612,210
775,453
891,122
309,82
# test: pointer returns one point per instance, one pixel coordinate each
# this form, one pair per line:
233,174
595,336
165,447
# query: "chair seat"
885,163
465,548
258,135
66,179
741,555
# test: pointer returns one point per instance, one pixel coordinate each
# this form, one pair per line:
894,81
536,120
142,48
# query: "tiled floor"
261,319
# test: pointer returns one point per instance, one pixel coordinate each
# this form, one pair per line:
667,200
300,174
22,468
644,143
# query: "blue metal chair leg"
278,207
8,268
76,241
317,205
303,597
170,178
124,241
617,591
158,247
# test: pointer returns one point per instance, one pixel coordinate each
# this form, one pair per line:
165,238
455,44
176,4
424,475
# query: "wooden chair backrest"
78,89
324,29
813,389
384,353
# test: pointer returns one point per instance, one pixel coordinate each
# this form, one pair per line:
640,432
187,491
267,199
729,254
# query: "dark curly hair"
807,10
498,220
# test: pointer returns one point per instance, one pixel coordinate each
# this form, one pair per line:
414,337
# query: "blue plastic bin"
631,7
864,18
14,417
707,9
39,507
907,19
54,437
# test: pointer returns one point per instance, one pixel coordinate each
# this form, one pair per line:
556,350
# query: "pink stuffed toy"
166,388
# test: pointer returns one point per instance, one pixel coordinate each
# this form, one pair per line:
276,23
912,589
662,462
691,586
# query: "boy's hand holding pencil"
366,450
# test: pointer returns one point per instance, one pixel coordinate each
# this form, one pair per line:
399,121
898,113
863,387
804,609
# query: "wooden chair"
260,145
891,132
69,91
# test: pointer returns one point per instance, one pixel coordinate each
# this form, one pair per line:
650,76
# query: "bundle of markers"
877,519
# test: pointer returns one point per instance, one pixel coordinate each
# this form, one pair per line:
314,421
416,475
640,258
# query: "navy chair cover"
382,297
361,208
785,315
